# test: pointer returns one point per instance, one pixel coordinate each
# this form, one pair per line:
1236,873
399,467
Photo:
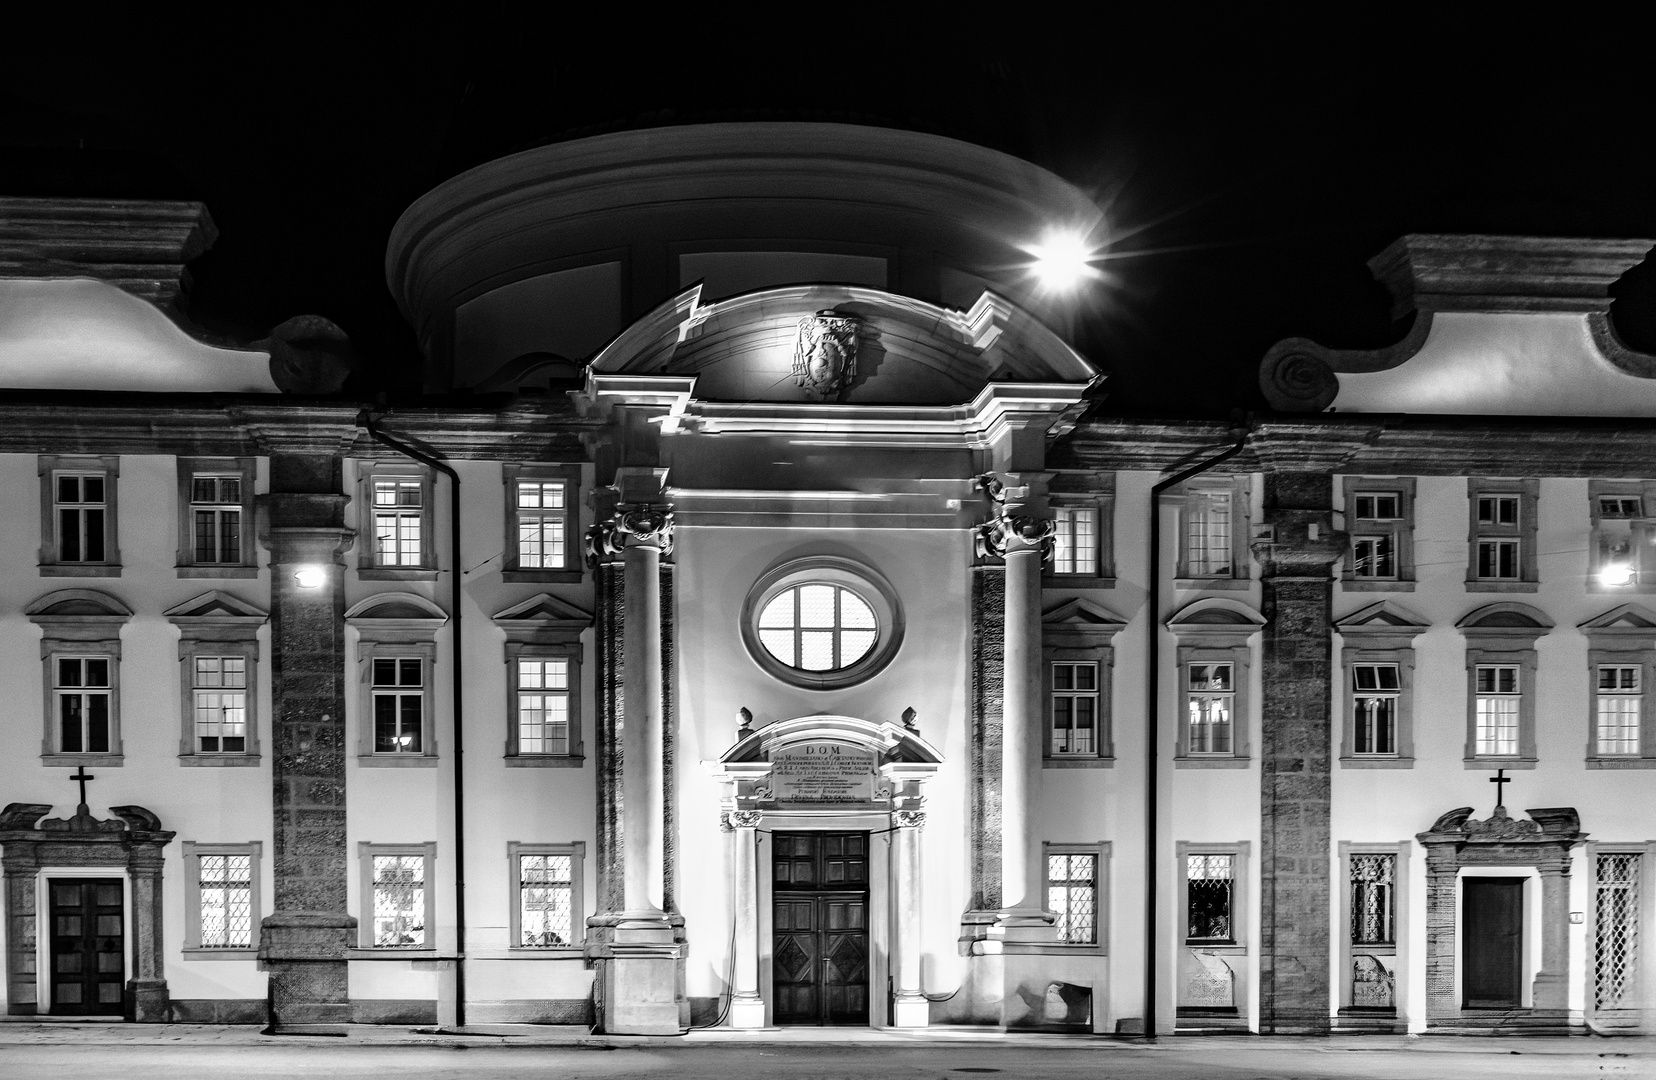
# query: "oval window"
822,622
818,627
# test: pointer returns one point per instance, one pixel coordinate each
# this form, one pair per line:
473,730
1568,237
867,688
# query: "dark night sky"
1249,172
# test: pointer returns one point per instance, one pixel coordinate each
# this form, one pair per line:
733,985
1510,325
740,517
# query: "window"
77,516
1373,900
81,651
1083,505
218,652
821,622
1497,703
220,700
546,892
1375,690
1372,897
398,544
1211,700
83,692
1210,891
1622,551
1074,708
1620,506
215,517
541,515
1500,671
1073,893
1618,954
1619,698
399,704
1503,535
1077,540
397,896
221,899
543,706
543,673
542,540
1208,534
1380,518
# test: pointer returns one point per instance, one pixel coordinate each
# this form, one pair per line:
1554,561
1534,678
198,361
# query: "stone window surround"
861,579
572,571
1100,850
1077,631
217,635
188,468
1378,642
79,635
1347,949
544,626
1511,645
51,464
1528,491
1240,852
1241,514
1401,531
1627,646
192,947
1645,490
400,635
577,918
1646,912
366,850
367,566
1216,642
1087,491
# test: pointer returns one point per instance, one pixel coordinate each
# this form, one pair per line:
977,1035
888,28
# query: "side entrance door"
820,912
1492,916
88,946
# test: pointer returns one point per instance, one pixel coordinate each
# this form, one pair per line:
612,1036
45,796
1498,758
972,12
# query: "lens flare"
1063,260
1617,573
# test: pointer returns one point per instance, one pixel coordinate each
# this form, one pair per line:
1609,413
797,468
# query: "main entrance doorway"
1492,918
88,949
820,912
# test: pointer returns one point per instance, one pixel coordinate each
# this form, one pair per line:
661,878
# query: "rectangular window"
1618,709
1621,506
399,897
399,705
1074,708
399,510
1498,510
80,511
1072,895
221,704
541,510
1077,548
1208,534
1211,698
82,693
543,706
216,517
1378,506
1210,899
546,901
1376,557
225,887
1498,560
1498,696
1373,899
1617,888
1375,690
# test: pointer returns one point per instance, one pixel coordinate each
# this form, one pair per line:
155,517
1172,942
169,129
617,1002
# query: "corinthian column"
747,1008
909,1008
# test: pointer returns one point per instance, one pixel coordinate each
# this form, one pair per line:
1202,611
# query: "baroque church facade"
762,621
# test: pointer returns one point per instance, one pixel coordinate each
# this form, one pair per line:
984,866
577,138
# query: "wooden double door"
819,967
88,946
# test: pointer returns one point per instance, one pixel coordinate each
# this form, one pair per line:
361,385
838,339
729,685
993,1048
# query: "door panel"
1492,916
88,946
820,954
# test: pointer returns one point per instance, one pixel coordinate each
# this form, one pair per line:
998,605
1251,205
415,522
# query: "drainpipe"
1152,757
367,423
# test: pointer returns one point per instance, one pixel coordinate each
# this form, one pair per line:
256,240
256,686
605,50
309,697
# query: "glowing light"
1617,573
310,577
1062,260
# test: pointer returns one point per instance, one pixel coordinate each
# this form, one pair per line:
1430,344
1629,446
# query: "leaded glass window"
818,627
1077,540
1616,944
399,513
1208,534
399,901
226,887
543,706
1498,697
1618,705
546,900
1072,895
1373,895
1210,898
399,705
1074,708
83,703
1211,696
221,704
540,506
215,515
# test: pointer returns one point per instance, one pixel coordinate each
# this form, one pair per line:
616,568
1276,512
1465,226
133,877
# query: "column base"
147,1001
910,1011
304,954
747,1013
640,990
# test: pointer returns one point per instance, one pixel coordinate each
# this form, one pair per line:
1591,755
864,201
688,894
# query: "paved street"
60,1055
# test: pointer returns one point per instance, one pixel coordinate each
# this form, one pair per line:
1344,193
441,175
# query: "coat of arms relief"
825,352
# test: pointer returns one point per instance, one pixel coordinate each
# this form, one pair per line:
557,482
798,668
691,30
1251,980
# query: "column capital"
632,525
908,819
743,819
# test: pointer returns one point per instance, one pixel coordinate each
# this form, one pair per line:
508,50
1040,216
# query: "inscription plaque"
822,772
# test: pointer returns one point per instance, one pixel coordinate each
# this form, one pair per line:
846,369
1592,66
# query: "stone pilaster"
1295,753
747,1008
909,1007
303,941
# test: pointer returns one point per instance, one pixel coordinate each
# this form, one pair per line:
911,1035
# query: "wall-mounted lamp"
310,577
1617,573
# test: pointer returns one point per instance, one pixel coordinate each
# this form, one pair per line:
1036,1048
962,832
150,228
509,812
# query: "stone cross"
1500,780
82,777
